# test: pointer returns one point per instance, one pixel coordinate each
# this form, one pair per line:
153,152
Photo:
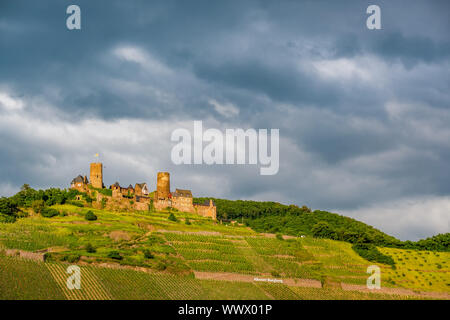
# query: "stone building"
182,200
141,189
96,175
207,209
79,183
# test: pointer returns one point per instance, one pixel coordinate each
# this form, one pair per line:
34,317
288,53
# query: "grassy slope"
213,247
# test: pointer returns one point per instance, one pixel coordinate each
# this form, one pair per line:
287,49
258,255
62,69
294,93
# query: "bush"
49,212
89,248
115,255
172,217
72,258
76,203
279,236
38,206
371,253
90,216
148,254
187,221
8,210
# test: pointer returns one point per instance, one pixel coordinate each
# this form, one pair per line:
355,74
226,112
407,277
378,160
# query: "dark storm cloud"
363,115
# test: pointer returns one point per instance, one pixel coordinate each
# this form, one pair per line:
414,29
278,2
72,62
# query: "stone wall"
206,211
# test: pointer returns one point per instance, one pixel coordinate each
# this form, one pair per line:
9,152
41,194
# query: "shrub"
148,254
275,274
76,203
115,255
90,216
72,258
38,206
371,253
187,221
279,236
161,266
8,210
49,212
89,248
172,217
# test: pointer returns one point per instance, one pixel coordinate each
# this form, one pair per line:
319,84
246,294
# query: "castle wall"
96,175
206,211
183,204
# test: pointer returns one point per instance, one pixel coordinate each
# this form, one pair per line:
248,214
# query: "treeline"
293,220
28,197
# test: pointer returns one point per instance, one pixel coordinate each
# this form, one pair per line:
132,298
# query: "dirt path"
396,291
311,283
227,276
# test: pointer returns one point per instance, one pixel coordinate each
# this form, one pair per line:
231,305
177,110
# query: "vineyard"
142,255
22,279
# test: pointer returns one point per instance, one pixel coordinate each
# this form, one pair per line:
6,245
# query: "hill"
124,254
293,220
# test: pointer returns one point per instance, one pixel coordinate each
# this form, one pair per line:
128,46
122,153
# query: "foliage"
25,197
103,203
274,217
49,212
148,254
8,210
90,216
172,217
72,258
187,221
90,248
115,255
38,206
371,253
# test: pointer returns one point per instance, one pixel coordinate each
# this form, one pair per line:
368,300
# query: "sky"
363,115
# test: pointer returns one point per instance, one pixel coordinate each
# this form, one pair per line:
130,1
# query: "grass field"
174,250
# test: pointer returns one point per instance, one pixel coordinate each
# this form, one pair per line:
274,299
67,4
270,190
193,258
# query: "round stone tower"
163,185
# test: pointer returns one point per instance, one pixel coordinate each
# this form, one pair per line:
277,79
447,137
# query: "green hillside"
186,261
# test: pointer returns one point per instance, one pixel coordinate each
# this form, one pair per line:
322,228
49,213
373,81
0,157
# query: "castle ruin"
139,196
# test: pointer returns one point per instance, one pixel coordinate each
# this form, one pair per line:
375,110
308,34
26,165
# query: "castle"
139,196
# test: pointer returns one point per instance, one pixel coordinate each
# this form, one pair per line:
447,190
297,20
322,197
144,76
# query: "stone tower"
96,176
163,185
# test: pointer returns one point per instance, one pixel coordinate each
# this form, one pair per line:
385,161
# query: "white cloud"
225,109
143,58
9,103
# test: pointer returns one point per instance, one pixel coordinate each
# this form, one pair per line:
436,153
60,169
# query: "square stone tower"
96,176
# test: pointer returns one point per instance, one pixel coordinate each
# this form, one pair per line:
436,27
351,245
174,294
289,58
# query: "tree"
49,212
115,255
38,206
25,187
322,230
89,248
90,216
148,254
172,217
8,207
